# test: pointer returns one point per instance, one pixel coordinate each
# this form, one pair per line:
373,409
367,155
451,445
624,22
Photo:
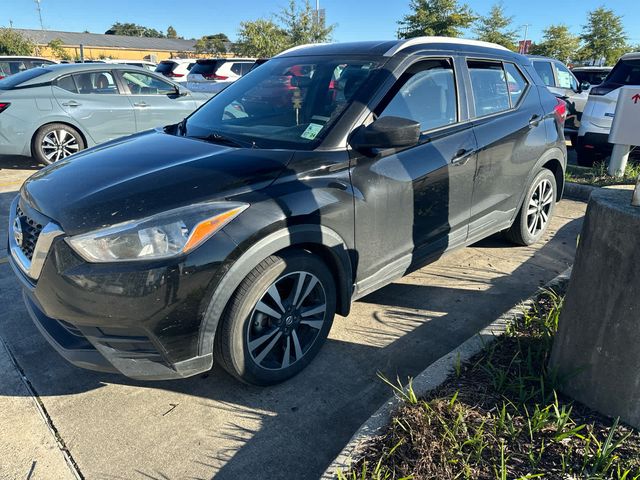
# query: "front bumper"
141,319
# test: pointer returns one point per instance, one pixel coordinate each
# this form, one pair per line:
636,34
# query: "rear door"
95,102
511,138
155,101
415,202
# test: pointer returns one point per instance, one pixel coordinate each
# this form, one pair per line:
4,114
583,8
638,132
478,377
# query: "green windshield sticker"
312,131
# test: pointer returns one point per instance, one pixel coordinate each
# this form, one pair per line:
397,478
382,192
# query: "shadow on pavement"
12,162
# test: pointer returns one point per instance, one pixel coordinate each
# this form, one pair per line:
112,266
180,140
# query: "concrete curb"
577,191
433,376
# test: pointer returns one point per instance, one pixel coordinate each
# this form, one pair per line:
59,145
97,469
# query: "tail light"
1,77
175,75
213,76
4,106
560,110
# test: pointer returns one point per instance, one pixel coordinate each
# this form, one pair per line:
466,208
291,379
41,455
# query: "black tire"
529,226
239,343
56,141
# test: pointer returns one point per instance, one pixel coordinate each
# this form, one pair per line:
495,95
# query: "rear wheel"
536,211
277,320
56,141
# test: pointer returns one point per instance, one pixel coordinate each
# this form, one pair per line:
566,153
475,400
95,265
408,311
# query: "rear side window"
67,84
425,93
489,85
626,72
95,82
246,68
516,82
546,73
237,68
19,78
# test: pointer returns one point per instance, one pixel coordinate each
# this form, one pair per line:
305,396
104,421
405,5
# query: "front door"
156,102
413,204
94,101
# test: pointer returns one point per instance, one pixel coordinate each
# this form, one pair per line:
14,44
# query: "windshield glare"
286,103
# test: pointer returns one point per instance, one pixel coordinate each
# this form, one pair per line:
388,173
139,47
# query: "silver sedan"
54,111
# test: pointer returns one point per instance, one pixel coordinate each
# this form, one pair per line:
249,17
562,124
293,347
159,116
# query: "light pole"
39,13
524,42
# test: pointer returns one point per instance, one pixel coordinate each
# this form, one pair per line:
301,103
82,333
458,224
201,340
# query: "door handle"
141,104
535,121
71,103
462,156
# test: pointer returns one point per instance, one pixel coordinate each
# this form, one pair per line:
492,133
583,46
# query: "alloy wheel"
58,144
539,207
286,321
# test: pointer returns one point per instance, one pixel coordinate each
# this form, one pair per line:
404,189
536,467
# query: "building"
98,46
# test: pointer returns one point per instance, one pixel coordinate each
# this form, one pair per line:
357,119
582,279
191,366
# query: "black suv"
323,175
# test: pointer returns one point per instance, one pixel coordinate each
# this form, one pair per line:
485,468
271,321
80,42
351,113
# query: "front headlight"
161,236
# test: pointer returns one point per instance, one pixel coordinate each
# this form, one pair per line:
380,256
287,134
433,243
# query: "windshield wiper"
216,137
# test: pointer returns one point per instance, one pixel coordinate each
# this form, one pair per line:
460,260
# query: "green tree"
261,38
133,30
444,18
557,42
211,45
294,25
603,36
171,32
495,28
13,43
57,50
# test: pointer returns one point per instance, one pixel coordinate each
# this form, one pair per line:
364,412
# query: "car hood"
145,174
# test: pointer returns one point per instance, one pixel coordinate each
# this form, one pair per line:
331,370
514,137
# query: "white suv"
215,74
176,69
593,136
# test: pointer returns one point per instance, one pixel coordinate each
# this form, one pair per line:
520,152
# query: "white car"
215,74
176,69
136,63
593,136
11,64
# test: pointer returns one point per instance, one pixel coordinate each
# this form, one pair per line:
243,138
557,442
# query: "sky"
354,20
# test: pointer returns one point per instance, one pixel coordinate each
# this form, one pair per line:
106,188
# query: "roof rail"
401,45
298,47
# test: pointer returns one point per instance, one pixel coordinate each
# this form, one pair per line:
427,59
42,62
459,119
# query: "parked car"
136,63
52,112
215,74
176,69
591,75
593,137
563,84
10,65
237,237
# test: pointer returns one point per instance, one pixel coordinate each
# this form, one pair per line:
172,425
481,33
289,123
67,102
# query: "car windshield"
287,103
626,72
19,78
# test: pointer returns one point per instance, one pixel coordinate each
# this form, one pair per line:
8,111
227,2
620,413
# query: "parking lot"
211,424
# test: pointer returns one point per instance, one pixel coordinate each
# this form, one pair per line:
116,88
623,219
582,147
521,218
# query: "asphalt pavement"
211,425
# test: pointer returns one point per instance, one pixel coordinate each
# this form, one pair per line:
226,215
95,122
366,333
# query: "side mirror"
584,86
181,92
386,132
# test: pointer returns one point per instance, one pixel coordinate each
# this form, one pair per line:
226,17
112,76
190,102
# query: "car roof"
591,69
390,48
631,56
83,67
179,60
23,57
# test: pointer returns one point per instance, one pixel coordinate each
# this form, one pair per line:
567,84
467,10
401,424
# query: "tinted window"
67,83
15,80
626,72
516,82
565,77
206,67
489,85
287,103
12,67
166,67
95,82
246,68
425,93
546,73
236,68
592,77
143,84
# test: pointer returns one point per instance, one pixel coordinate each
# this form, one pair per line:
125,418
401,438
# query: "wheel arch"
317,239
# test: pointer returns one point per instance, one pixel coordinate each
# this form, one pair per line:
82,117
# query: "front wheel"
56,141
277,319
536,212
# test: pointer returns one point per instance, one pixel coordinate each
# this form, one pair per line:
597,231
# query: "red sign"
636,98
525,46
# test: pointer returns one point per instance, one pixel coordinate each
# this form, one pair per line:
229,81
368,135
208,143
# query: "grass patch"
598,176
499,416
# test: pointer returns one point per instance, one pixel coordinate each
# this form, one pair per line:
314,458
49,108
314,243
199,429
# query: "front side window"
566,78
287,103
546,73
426,93
489,86
95,83
143,84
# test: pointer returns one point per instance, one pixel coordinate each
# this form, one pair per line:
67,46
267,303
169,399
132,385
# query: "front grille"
31,230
